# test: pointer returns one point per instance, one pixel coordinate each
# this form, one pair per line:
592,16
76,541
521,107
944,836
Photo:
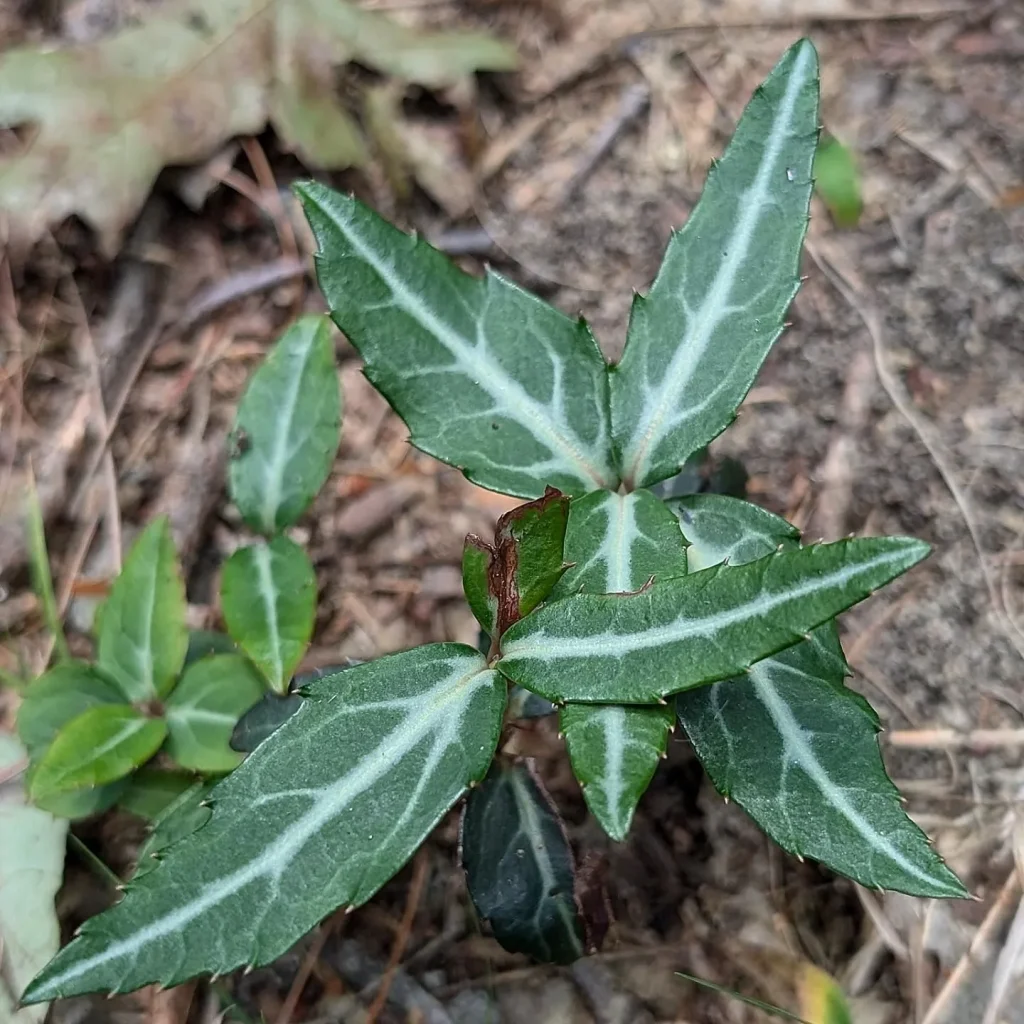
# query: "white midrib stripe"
613,722
799,752
125,733
619,540
715,306
543,648
448,698
276,464
532,831
192,714
268,593
487,374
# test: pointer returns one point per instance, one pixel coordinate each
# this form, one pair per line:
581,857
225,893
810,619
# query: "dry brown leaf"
98,122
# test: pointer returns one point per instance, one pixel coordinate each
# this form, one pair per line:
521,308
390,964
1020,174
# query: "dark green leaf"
536,533
795,748
620,542
287,428
262,719
101,745
476,561
614,752
697,340
519,867
837,181
320,815
506,580
487,377
204,709
696,629
153,790
141,639
181,818
268,597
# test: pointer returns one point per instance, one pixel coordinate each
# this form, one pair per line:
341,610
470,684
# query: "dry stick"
925,10
977,741
419,876
994,920
112,515
329,927
862,306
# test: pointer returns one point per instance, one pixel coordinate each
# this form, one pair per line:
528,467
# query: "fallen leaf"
99,122
31,868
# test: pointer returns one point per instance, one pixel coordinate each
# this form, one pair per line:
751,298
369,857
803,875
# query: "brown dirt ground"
900,383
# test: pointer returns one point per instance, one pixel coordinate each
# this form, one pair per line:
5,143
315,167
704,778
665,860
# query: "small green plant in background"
154,713
625,611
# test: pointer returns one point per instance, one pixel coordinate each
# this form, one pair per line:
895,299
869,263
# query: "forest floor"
893,404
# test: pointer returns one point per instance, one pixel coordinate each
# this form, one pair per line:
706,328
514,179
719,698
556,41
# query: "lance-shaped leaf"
638,648
53,700
614,752
506,580
619,543
321,814
486,376
519,867
287,428
268,596
795,748
204,709
141,640
101,745
697,340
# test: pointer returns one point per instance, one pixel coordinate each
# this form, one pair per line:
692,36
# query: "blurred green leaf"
101,745
39,565
58,696
49,703
141,640
204,642
153,790
204,709
287,428
837,181
268,597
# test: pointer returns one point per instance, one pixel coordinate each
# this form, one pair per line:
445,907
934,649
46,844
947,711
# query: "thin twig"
419,877
316,947
976,740
993,923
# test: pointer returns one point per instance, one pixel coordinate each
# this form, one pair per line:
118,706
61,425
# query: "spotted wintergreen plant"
158,696
627,609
